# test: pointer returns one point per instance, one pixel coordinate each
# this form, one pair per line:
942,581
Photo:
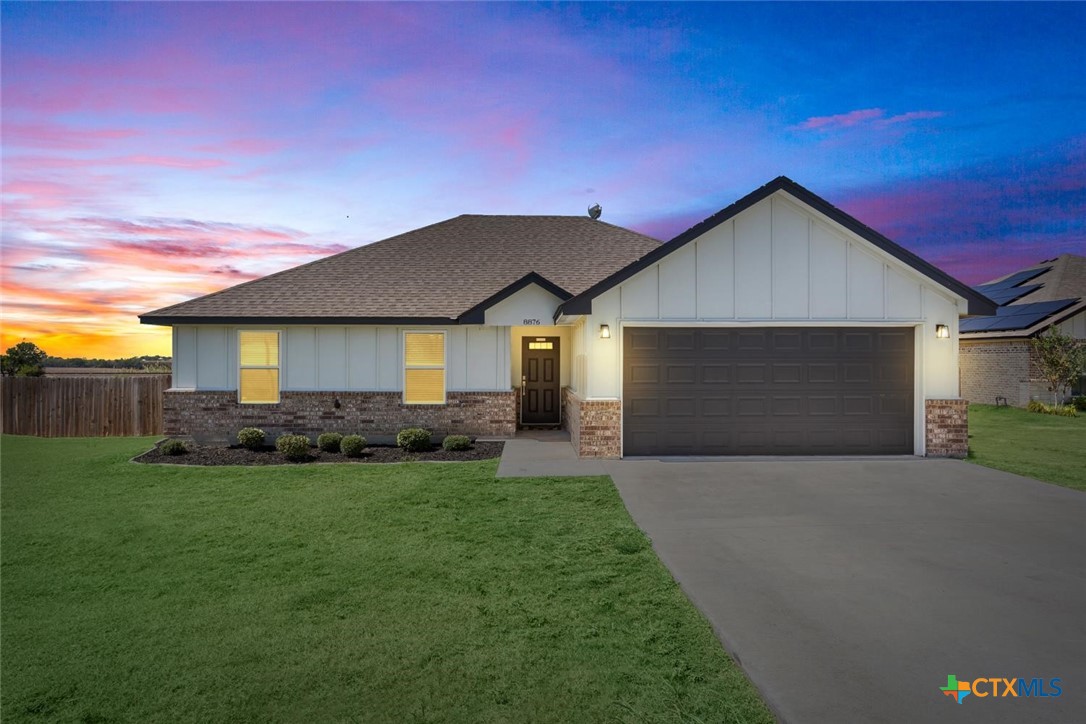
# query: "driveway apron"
850,590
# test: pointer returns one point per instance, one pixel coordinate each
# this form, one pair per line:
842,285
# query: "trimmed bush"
414,439
352,446
251,438
293,447
173,447
1061,410
452,443
329,441
1079,402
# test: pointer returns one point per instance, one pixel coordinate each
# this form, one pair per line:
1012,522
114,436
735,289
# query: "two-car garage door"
767,391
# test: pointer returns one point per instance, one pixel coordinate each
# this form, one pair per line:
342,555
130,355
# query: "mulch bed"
236,455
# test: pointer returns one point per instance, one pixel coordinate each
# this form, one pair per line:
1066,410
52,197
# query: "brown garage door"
767,391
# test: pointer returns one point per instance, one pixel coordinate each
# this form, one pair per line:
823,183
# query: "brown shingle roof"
436,272
1065,279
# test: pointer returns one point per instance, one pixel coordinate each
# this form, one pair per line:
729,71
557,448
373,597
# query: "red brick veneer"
218,415
595,426
946,428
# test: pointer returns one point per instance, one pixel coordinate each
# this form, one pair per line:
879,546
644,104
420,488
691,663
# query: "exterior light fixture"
942,331
605,332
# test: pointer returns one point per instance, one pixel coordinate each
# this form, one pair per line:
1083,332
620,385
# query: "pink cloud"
872,117
56,136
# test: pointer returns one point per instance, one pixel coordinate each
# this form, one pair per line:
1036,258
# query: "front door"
541,388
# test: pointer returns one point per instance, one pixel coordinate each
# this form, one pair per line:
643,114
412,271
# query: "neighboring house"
780,325
995,358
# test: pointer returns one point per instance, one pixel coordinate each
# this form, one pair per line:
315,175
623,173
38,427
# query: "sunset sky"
157,152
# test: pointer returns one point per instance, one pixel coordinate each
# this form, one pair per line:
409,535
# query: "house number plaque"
529,322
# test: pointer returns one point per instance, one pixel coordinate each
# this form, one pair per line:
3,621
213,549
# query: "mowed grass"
1045,447
401,593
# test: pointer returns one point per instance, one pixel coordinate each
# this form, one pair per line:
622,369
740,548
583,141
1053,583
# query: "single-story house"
780,325
996,360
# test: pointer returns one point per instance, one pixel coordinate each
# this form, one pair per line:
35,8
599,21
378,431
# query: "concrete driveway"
850,590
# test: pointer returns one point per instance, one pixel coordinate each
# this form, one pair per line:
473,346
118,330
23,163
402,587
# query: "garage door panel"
787,373
716,406
773,391
681,374
679,341
748,340
786,406
715,373
748,373
716,340
789,341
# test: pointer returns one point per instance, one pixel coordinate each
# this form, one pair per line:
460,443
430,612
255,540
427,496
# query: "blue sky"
155,152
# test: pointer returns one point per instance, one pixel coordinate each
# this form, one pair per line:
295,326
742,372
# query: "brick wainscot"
946,426
218,415
595,426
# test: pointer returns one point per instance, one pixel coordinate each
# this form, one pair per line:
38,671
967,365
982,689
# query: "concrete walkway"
545,454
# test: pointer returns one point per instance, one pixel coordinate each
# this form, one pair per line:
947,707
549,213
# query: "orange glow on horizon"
143,340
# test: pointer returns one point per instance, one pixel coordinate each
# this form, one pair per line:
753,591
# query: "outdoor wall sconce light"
605,332
942,331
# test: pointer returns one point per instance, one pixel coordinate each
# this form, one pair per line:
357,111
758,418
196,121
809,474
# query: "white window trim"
444,367
279,367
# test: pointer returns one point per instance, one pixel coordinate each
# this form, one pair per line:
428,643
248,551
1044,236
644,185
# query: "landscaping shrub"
173,447
329,441
293,447
414,439
453,443
1079,402
251,437
1061,410
352,445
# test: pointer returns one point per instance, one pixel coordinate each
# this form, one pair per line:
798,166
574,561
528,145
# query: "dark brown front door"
541,388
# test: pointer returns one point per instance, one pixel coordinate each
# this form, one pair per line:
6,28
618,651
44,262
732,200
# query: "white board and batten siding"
342,358
781,263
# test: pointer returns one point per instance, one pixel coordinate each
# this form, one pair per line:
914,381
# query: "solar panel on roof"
1016,323
1015,317
1018,310
976,324
1006,296
1015,279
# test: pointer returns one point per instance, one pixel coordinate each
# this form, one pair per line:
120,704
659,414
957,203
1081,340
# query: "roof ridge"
296,268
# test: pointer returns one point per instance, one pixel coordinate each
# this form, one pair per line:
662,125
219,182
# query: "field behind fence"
92,406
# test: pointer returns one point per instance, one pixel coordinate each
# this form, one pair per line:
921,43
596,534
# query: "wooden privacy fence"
83,406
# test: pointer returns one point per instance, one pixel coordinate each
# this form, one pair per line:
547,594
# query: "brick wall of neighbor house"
218,415
946,427
595,426
996,369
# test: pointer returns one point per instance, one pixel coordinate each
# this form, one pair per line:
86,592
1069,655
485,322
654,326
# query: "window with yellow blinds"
258,376
424,368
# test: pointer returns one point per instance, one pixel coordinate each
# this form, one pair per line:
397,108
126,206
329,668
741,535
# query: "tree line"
26,359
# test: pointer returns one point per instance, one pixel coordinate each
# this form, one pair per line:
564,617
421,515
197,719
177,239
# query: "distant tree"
24,360
1061,359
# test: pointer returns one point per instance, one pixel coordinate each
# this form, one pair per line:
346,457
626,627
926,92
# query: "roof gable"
978,303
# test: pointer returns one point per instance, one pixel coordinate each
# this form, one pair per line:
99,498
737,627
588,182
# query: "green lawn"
1045,447
406,593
